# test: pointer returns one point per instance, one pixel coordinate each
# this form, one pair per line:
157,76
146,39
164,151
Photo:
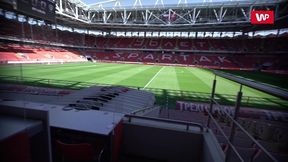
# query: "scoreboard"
44,9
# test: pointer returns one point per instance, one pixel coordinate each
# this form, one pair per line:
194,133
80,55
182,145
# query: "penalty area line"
153,77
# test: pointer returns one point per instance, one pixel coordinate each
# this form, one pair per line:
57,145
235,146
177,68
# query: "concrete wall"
212,151
42,138
162,144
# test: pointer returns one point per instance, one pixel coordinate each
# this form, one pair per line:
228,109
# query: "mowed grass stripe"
153,77
206,77
101,77
28,67
177,79
87,73
58,73
10,70
28,70
197,83
14,70
141,78
118,75
166,79
186,79
43,70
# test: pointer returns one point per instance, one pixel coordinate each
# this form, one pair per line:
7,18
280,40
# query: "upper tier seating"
240,53
236,61
47,34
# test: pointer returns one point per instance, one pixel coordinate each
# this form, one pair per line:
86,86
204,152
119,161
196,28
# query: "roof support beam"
137,4
180,3
194,15
159,5
184,16
220,14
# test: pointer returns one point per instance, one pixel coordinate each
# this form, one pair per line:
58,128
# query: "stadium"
143,80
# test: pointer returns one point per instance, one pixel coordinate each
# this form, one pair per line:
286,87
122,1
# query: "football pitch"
167,82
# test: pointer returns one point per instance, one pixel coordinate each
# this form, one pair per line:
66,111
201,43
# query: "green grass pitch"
167,82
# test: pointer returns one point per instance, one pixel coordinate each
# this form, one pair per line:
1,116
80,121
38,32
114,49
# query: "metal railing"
226,138
243,130
179,122
144,110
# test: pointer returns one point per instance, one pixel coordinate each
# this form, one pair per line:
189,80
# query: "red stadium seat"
76,152
15,148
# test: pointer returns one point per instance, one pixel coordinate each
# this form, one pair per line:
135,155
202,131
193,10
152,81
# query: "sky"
131,2
151,2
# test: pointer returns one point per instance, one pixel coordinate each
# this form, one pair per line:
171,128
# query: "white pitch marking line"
153,77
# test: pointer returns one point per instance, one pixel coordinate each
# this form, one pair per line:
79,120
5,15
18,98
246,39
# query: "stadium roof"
145,3
133,4
182,15
165,15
